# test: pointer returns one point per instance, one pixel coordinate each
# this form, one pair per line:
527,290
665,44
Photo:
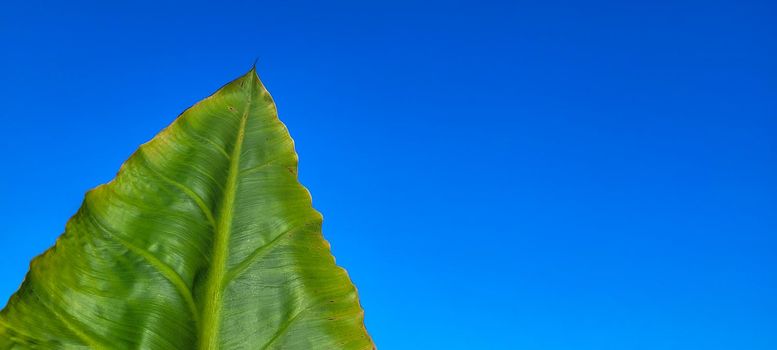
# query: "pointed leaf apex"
249,80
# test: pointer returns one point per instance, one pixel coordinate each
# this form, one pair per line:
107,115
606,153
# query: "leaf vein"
164,269
285,327
260,252
214,283
189,192
70,325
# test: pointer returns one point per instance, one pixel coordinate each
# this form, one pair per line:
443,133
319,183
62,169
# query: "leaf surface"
204,240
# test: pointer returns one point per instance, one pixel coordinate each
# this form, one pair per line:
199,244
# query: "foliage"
204,240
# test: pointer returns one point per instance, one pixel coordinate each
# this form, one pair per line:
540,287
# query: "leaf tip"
253,66
252,75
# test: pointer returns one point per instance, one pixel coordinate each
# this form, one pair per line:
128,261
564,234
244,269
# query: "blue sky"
493,175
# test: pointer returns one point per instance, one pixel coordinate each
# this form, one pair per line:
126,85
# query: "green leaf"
204,240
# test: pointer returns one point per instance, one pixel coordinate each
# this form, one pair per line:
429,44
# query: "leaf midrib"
211,310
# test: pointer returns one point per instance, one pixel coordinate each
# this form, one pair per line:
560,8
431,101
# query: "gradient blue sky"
494,175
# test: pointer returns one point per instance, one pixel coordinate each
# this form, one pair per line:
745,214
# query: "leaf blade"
205,239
